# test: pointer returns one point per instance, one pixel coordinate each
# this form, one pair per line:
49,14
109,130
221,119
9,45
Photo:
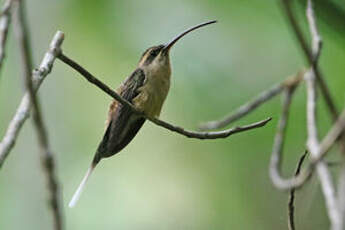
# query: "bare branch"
276,157
5,19
323,149
209,135
88,76
21,32
341,192
309,55
291,206
317,151
243,109
330,195
47,157
253,104
191,134
23,110
316,38
332,136
312,141
321,167
296,28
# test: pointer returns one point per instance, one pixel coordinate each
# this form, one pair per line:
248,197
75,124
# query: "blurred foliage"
162,180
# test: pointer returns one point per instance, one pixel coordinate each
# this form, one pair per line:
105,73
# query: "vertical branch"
334,212
316,44
313,144
310,58
296,28
341,192
314,148
21,32
47,157
5,19
312,141
281,130
23,109
278,145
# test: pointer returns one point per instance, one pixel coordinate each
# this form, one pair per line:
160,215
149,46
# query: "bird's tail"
77,193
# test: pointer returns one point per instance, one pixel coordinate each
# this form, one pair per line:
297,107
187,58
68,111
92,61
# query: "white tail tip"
77,193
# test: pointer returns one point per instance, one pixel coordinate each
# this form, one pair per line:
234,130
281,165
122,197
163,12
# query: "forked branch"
23,109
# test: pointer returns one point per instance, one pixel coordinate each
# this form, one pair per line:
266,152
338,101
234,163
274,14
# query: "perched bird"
146,88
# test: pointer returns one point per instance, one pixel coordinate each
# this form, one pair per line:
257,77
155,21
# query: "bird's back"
122,124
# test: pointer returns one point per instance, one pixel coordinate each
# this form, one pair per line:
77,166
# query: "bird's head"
157,57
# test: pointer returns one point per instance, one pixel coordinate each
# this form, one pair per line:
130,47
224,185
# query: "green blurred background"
163,180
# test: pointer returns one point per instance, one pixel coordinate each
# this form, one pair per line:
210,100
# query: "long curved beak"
178,37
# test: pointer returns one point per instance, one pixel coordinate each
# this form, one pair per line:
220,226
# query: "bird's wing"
138,76
123,124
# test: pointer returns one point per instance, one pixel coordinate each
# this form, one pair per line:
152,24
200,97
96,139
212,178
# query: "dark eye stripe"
153,54
150,54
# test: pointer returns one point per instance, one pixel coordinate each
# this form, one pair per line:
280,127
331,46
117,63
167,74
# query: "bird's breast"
153,93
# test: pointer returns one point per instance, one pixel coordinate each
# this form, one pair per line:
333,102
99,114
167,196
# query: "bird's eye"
154,53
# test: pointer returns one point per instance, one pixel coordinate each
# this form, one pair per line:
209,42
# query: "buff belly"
152,96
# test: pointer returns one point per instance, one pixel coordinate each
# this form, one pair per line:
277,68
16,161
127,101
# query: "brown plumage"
122,123
146,88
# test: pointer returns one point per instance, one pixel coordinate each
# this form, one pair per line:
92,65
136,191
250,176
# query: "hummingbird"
146,88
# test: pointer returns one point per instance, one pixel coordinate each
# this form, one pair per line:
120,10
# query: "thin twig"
191,134
252,104
328,141
312,140
321,167
313,146
316,49
21,32
324,147
291,206
243,109
332,136
277,151
209,135
298,32
23,110
47,157
310,58
316,38
333,163
5,19
341,192
278,144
